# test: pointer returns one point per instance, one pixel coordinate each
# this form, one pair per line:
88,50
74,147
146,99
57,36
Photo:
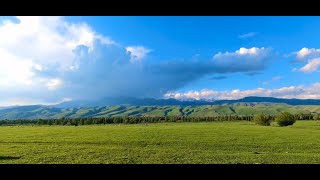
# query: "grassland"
215,142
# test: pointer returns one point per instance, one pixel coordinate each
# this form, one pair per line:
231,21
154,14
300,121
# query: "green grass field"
215,142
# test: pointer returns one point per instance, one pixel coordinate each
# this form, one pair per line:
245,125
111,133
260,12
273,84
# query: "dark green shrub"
285,119
262,120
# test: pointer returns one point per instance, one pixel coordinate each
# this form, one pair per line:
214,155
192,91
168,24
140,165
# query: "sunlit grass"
215,142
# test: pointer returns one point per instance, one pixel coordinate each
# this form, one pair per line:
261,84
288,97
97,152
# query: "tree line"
144,119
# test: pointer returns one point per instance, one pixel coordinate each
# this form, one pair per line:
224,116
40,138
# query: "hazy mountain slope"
174,102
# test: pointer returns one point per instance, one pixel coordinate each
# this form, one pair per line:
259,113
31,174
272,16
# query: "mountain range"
110,107
174,102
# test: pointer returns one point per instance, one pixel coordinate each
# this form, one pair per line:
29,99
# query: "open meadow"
170,143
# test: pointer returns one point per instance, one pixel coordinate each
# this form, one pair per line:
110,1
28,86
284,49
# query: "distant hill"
238,108
173,102
273,100
5,107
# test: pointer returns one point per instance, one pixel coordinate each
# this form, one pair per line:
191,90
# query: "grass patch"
170,143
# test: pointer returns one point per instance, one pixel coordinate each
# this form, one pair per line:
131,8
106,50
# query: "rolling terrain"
45,112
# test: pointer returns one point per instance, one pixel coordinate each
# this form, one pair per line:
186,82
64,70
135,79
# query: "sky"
49,60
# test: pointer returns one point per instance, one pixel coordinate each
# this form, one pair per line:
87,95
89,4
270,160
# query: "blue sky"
47,60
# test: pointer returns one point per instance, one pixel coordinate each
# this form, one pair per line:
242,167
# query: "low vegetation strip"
148,119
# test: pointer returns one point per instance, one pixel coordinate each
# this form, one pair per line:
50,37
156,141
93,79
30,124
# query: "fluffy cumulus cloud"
249,60
305,53
309,55
300,92
311,66
34,46
48,59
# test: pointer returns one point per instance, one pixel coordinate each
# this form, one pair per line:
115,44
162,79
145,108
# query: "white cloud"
34,47
36,42
312,66
54,84
305,53
14,70
38,67
300,92
244,59
311,55
242,52
137,52
247,35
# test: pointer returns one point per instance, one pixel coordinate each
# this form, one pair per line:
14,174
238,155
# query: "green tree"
262,120
285,119
50,122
